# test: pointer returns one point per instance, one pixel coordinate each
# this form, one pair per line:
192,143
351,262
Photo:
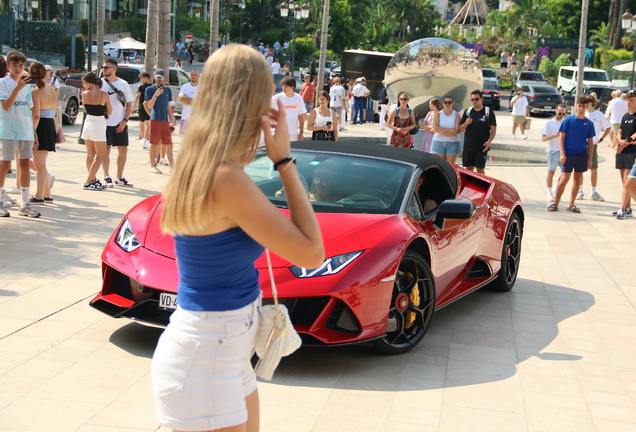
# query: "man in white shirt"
600,124
550,134
519,105
338,103
360,92
276,67
186,97
615,111
294,107
117,121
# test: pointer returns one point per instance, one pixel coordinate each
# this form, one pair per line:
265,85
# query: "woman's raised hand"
277,144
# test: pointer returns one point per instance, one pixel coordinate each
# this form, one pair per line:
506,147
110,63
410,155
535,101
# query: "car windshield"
337,183
529,76
595,76
279,86
490,86
545,90
489,73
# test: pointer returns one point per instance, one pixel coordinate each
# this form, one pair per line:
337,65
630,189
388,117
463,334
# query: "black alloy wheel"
71,112
412,306
510,256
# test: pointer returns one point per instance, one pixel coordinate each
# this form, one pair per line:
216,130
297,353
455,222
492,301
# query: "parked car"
107,51
176,78
567,79
279,88
603,94
491,76
389,264
526,78
492,96
542,98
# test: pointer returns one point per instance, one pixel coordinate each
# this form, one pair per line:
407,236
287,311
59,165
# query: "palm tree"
163,37
101,11
214,25
600,37
151,34
323,45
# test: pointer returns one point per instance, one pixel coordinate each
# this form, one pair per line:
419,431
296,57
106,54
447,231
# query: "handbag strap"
271,277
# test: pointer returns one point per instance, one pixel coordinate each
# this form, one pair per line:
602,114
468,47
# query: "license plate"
167,301
547,107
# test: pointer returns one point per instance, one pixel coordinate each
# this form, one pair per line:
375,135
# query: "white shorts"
94,128
8,148
201,371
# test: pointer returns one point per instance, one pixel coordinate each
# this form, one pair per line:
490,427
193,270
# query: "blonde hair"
224,126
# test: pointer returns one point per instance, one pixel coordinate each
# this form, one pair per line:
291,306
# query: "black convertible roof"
415,157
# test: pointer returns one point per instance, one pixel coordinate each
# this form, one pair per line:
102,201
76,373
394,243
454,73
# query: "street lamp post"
24,12
229,4
298,12
628,23
242,7
65,10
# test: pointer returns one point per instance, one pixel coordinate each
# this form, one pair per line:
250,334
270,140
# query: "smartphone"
328,123
31,79
159,85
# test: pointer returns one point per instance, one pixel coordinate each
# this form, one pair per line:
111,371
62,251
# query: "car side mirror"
453,209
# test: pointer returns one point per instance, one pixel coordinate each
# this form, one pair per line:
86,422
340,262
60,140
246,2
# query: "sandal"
553,208
573,209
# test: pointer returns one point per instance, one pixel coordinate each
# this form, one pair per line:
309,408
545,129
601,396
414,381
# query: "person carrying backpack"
401,121
480,125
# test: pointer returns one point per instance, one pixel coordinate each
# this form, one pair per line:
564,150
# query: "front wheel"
510,256
411,308
71,112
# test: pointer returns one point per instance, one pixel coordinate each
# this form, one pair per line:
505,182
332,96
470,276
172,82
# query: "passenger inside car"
325,183
427,194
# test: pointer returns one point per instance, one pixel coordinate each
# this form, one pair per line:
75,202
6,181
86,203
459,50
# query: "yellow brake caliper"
414,298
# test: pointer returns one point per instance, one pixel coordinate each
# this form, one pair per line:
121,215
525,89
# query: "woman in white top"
446,127
322,119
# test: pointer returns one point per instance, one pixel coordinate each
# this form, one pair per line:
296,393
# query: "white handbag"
276,336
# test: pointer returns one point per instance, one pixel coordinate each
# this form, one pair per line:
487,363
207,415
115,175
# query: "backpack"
471,108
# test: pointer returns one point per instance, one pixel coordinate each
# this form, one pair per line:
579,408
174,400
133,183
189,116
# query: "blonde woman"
201,371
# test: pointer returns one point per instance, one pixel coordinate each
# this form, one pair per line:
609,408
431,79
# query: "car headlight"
126,238
331,266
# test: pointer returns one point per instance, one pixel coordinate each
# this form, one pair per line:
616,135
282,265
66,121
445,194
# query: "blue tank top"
217,271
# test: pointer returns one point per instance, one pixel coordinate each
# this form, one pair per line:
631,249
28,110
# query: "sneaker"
163,161
628,212
550,197
13,190
34,200
580,195
596,197
620,214
51,181
5,203
155,170
144,144
123,182
524,137
3,211
93,186
513,137
48,200
26,210
108,182
8,199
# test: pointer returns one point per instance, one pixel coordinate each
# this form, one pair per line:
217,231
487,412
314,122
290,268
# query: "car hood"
341,233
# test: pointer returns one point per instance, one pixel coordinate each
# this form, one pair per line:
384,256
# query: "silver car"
69,101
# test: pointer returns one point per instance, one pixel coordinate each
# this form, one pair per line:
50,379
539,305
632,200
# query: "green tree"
600,36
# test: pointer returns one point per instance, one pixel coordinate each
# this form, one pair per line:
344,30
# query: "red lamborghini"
405,233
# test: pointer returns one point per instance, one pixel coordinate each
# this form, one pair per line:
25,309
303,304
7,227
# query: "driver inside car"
424,190
325,185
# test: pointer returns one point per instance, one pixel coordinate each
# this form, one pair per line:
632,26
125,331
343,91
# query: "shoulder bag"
276,336
120,94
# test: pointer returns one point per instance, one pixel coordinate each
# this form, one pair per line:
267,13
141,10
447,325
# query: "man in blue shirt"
158,101
576,144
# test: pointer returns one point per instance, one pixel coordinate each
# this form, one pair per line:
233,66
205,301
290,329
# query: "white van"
591,77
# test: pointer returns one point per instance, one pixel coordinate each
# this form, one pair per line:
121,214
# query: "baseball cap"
359,80
48,67
159,72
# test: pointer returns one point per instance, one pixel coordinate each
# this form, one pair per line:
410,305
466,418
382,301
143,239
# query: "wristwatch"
126,120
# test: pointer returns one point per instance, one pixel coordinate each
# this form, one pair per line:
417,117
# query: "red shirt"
307,91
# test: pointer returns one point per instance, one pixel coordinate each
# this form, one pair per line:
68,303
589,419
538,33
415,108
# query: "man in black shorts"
121,101
626,149
480,125
144,77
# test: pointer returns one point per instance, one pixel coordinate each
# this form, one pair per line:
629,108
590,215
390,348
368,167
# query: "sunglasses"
159,77
405,99
448,102
108,67
560,114
474,99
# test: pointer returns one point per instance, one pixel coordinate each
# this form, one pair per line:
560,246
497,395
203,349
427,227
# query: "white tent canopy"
625,67
128,44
